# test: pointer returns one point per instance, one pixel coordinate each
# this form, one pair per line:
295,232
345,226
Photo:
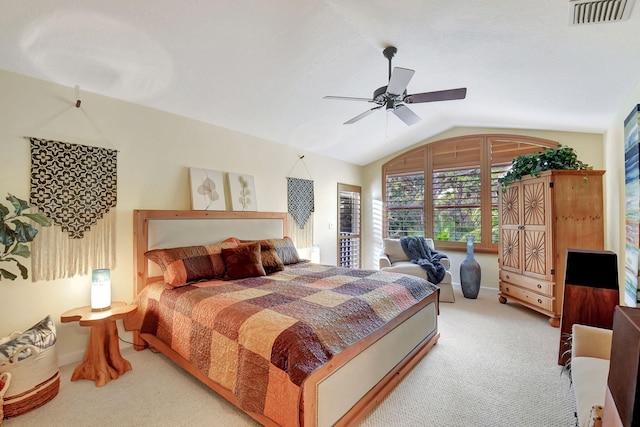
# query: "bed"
293,359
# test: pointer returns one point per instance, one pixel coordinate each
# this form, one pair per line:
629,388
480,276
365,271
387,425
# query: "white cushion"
394,251
589,376
407,267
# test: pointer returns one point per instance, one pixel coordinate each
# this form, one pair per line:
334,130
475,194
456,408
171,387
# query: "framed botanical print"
207,190
243,192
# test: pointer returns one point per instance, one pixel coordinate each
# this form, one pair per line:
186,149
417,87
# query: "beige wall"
589,150
615,183
155,151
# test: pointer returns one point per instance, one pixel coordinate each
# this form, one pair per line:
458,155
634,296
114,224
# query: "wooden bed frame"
354,381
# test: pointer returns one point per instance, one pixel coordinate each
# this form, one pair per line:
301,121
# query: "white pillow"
393,249
41,335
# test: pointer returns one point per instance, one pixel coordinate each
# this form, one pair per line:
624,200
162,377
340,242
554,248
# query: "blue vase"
470,273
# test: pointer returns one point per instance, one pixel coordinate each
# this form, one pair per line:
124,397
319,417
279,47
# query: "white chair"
394,259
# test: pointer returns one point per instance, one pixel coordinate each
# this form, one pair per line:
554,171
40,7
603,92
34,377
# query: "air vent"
598,11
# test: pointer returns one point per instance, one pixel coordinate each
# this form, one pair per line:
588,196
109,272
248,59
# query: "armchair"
393,259
590,354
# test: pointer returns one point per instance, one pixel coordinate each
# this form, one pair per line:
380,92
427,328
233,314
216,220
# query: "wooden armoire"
539,219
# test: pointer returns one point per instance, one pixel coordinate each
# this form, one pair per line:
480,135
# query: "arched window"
448,189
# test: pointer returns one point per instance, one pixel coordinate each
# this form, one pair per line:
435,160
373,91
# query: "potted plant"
560,158
15,233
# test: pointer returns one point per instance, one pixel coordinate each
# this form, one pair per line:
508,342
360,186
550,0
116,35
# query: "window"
448,189
405,205
456,204
349,225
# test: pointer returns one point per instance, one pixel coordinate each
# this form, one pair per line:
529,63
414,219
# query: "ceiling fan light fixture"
394,96
391,104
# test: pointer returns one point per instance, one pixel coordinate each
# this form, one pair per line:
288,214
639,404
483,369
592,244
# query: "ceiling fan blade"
399,80
405,114
440,95
348,98
363,115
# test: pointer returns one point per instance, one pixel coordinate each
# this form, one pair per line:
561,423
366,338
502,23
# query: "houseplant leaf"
21,250
7,235
15,232
24,232
39,218
23,270
3,211
19,204
560,158
7,274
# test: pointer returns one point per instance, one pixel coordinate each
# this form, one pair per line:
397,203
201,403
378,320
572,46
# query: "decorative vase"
470,273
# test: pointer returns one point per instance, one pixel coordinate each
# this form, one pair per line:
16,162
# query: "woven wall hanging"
76,186
301,205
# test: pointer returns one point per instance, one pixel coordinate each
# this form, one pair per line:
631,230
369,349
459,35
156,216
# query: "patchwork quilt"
260,337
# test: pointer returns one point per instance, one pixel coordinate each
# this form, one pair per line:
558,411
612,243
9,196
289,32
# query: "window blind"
405,205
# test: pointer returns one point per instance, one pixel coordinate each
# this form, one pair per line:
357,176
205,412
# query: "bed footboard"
345,391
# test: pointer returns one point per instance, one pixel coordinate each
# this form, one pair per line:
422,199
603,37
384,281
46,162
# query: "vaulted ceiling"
263,67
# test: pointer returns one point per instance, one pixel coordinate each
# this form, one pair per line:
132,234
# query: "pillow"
286,250
268,255
243,261
393,249
41,335
190,263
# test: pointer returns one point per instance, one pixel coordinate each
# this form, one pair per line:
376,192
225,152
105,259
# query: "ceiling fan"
394,96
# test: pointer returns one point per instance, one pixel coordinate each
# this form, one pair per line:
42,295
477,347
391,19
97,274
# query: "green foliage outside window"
456,203
405,205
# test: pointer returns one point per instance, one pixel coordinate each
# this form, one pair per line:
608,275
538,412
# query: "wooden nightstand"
102,361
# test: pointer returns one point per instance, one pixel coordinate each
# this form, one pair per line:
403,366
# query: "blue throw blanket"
420,253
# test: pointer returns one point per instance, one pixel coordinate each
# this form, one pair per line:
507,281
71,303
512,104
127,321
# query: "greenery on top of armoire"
560,158
15,233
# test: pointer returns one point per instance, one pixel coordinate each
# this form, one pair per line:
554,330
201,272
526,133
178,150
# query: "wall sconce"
101,290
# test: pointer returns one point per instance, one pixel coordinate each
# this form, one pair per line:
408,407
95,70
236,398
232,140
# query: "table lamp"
100,290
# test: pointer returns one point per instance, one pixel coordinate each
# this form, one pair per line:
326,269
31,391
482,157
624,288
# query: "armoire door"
537,245
509,206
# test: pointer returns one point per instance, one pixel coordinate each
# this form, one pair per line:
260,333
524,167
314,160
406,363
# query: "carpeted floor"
495,365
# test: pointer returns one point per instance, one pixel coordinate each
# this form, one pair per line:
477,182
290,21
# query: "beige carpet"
495,365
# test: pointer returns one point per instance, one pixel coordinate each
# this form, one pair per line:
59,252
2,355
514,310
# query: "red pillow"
190,263
268,254
270,259
243,261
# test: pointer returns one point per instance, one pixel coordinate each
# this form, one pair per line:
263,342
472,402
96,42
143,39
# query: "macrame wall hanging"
76,186
300,201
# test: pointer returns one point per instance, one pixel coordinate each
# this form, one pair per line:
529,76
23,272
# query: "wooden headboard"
157,229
